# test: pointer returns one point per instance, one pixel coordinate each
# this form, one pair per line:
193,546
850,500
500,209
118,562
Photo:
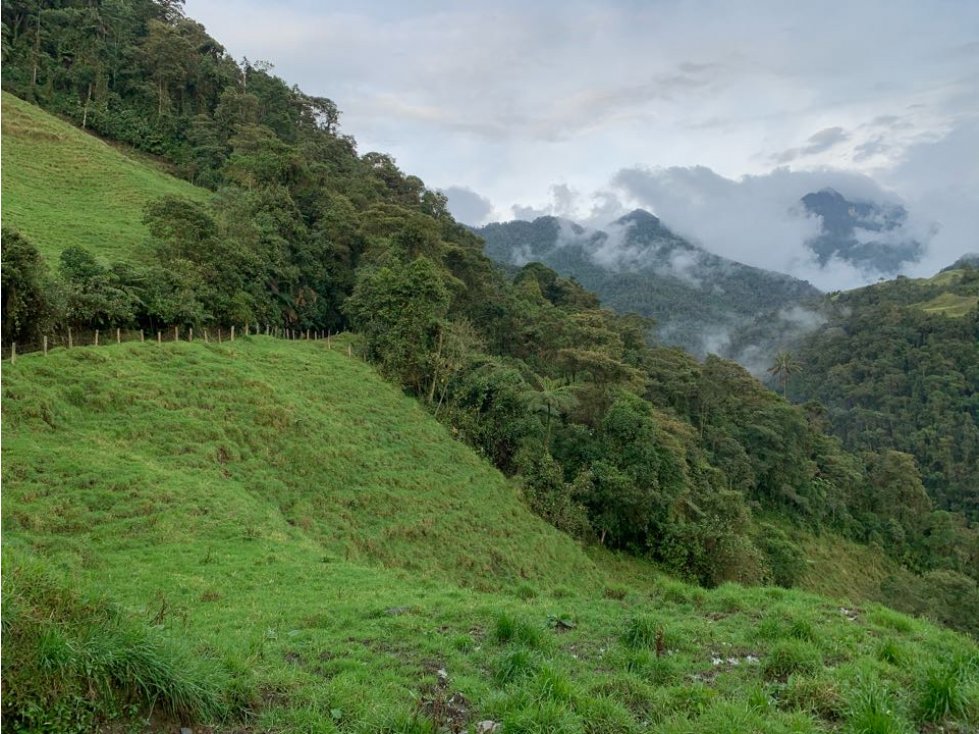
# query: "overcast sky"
717,116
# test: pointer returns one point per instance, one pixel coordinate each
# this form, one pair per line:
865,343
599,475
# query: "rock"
487,727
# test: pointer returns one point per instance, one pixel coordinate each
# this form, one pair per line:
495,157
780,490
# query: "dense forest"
614,441
897,367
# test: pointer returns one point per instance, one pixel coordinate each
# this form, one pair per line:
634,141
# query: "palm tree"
551,398
784,367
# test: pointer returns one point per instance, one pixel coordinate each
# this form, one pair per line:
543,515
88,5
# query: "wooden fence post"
96,337
205,336
219,335
13,352
142,337
176,333
159,337
232,332
118,336
190,338
69,337
350,351
45,346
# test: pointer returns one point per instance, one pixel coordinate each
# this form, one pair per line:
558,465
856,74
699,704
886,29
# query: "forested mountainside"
637,265
896,366
694,466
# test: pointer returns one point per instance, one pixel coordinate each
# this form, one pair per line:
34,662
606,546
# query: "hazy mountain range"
636,264
698,298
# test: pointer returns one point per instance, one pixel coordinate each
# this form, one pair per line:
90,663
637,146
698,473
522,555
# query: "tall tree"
783,367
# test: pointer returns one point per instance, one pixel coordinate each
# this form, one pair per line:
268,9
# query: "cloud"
756,220
467,206
817,143
940,182
508,97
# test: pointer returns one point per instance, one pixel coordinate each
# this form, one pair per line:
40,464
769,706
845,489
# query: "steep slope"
63,187
327,558
217,435
638,265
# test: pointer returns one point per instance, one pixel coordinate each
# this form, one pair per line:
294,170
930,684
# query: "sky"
717,116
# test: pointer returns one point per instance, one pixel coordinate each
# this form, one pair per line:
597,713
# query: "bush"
642,632
786,561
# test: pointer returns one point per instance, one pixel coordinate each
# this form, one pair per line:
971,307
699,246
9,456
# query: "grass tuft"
791,656
942,692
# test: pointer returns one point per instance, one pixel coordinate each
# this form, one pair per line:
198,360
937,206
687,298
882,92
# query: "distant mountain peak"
864,233
638,265
637,216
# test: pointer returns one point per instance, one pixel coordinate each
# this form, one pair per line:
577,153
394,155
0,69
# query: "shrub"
786,561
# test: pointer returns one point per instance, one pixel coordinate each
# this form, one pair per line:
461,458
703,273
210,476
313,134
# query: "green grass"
950,304
325,557
63,187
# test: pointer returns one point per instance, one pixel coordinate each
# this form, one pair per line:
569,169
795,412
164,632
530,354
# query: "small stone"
487,727
186,730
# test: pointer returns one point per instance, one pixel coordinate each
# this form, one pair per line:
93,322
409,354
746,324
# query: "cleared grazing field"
63,187
288,544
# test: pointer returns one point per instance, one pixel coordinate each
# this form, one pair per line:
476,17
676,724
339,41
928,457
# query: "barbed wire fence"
70,339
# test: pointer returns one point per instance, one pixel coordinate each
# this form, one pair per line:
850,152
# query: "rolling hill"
292,545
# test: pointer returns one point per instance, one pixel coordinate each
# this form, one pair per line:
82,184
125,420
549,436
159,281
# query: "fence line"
70,339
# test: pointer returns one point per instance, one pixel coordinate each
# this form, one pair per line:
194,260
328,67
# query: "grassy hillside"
64,187
289,544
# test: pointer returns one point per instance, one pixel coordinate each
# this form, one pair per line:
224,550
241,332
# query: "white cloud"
506,98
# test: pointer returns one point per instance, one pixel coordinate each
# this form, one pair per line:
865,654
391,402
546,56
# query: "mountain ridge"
637,264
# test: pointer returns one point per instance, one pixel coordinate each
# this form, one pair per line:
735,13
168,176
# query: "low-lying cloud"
758,220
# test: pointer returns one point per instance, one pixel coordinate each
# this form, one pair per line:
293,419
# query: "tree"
27,290
399,308
551,397
784,367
